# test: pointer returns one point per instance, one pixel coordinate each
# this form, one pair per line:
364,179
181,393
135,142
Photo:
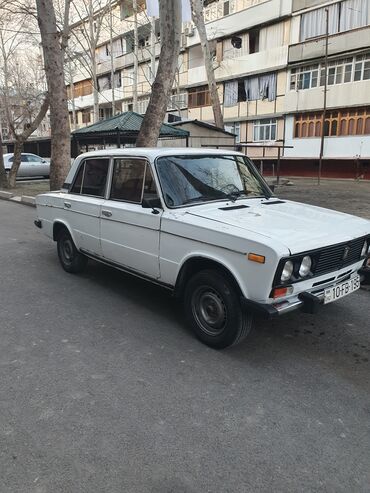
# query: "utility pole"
325,94
112,81
152,50
136,51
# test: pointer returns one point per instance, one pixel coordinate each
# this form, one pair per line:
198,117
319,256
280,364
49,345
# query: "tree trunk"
59,116
198,19
3,177
170,25
18,148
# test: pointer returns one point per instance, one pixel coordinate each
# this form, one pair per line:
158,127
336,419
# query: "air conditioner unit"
189,31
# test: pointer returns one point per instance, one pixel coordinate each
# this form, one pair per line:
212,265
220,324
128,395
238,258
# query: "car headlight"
305,267
365,249
287,271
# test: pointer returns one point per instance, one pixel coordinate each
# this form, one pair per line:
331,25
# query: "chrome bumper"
307,302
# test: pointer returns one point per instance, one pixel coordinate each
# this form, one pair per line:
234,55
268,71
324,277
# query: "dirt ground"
348,196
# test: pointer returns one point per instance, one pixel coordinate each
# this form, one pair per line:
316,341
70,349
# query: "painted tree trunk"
170,26
18,148
3,177
198,19
54,71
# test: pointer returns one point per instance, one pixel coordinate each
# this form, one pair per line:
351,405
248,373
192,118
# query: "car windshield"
201,178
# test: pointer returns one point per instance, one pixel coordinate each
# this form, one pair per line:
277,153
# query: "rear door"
129,232
37,165
83,203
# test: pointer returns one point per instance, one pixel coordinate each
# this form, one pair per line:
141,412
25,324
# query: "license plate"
340,290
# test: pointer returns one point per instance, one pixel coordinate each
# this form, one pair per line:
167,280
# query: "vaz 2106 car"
204,224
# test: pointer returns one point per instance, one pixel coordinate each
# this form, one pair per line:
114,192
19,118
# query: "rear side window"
91,178
128,180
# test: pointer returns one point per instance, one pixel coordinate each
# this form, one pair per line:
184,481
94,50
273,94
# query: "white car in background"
204,224
31,165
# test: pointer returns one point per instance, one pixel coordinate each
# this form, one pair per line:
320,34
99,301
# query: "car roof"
154,152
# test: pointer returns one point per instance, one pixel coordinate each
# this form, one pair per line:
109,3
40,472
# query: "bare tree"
170,28
92,15
198,19
53,43
22,93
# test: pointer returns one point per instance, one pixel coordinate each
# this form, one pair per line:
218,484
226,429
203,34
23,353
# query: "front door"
82,205
129,232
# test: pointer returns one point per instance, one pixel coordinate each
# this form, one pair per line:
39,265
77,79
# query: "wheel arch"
196,263
58,225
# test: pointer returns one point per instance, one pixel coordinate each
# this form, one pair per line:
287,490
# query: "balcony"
252,14
338,43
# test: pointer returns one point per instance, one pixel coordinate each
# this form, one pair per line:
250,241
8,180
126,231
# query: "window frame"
82,164
259,124
131,158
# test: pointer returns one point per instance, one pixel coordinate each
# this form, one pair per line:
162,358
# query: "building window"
343,16
83,88
86,116
264,130
142,105
234,128
199,96
338,123
340,71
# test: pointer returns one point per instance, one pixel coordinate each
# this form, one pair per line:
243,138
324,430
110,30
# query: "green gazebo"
120,130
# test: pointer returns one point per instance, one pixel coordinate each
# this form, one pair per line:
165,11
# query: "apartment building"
269,63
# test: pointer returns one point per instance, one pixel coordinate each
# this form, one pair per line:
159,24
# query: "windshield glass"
190,179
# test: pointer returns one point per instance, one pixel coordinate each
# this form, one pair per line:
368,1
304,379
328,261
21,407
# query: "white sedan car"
205,225
31,165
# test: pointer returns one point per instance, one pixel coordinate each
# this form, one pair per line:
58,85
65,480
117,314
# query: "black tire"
71,259
213,309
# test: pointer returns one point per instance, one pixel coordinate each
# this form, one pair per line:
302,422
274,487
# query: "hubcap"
67,249
209,310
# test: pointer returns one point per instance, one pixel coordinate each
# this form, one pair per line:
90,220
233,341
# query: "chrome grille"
337,256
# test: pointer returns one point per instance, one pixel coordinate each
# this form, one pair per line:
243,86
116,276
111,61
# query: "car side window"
33,159
128,180
91,178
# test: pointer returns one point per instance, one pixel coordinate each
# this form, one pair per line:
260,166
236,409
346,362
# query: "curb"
28,200
5,195
23,199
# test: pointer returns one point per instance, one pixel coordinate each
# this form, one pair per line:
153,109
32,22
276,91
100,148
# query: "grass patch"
30,188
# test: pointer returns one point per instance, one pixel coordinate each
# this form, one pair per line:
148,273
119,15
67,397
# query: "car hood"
299,227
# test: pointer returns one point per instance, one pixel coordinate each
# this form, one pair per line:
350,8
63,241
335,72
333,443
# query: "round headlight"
305,267
287,271
364,250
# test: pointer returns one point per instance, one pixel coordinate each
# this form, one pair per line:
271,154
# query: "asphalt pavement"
104,389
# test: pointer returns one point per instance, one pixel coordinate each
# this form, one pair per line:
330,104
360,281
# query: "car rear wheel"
71,259
212,306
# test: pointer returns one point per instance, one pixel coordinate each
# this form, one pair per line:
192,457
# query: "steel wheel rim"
209,310
67,251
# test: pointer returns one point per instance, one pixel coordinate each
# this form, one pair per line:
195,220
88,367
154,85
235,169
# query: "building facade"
269,62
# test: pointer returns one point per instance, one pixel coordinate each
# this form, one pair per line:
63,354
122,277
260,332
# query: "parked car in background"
31,165
204,224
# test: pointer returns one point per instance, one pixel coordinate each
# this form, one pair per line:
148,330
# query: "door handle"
67,205
106,213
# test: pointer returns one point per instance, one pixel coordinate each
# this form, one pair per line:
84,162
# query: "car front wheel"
212,306
71,259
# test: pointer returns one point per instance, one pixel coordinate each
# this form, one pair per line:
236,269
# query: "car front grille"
337,256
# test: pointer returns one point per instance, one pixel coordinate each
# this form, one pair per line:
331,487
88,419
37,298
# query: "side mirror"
152,203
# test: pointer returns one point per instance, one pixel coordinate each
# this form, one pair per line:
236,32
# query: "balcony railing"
221,8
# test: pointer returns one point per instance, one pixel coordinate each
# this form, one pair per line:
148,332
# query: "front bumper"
305,301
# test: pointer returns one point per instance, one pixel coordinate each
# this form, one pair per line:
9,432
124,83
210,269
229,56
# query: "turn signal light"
254,257
279,292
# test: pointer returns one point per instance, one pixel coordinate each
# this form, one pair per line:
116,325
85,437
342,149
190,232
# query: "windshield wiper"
201,198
